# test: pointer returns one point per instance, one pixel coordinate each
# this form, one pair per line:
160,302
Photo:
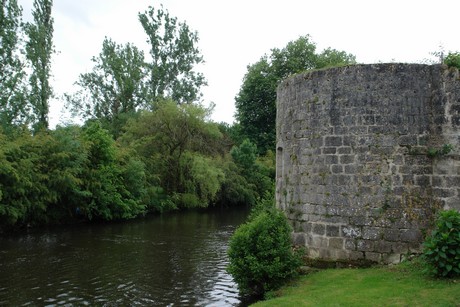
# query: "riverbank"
400,285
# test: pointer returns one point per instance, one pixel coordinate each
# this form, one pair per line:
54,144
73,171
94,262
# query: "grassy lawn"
401,285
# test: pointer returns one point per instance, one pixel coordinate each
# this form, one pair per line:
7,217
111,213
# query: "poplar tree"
39,49
12,103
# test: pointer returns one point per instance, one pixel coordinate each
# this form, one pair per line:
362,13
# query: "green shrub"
442,248
453,60
261,255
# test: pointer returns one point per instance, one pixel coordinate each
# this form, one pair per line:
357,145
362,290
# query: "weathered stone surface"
364,178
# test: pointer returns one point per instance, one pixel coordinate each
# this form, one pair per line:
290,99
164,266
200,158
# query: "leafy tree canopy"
256,100
124,80
174,55
115,87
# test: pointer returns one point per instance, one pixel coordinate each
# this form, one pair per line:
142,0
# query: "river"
175,259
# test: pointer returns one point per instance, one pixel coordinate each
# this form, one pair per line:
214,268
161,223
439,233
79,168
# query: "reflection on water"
171,260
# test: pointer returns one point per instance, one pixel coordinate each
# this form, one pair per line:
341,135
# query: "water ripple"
172,260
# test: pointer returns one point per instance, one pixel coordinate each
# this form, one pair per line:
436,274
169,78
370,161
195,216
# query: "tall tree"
12,102
124,81
174,56
39,49
114,88
256,100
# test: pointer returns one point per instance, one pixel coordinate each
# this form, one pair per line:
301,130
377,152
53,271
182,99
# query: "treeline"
147,143
170,158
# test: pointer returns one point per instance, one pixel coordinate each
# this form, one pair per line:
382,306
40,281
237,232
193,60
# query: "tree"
256,100
107,177
115,87
174,55
177,143
39,49
123,81
12,102
255,105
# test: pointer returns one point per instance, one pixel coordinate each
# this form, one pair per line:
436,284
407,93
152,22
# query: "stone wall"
365,156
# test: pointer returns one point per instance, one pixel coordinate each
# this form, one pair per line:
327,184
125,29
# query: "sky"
234,34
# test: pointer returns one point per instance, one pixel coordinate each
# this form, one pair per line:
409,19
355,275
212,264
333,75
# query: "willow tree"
177,143
39,49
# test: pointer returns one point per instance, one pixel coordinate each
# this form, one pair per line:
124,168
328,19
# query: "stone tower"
366,154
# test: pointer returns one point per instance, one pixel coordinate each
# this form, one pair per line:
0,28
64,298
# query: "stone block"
313,252
332,230
344,150
382,246
355,255
331,159
437,181
319,229
337,169
319,241
360,220
335,141
375,257
329,150
423,180
347,159
341,254
299,239
444,192
410,235
336,243
350,244
365,245
351,232
391,258
371,233
399,247
306,227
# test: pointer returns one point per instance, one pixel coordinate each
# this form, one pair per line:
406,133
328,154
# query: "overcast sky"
236,33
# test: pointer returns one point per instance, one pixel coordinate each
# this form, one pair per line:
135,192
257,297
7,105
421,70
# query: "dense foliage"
256,100
453,60
168,158
147,145
66,175
442,247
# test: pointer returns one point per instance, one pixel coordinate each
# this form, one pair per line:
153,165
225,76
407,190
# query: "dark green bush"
453,60
261,255
442,248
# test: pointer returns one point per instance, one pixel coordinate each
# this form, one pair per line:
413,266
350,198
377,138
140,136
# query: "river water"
176,259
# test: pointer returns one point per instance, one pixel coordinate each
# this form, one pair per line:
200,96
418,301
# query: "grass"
401,285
